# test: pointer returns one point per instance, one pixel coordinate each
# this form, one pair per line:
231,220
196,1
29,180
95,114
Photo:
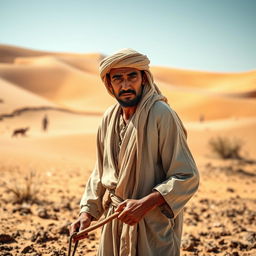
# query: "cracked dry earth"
219,220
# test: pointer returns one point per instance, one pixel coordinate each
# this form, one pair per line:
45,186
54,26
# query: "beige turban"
127,58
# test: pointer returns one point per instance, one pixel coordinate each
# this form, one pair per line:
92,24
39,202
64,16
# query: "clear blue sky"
215,35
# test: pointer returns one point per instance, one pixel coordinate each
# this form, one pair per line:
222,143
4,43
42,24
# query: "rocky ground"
219,220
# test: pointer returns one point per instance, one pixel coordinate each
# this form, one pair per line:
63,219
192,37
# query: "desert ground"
50,162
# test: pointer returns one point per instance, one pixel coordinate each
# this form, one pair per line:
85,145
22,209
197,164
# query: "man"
45,123
143,163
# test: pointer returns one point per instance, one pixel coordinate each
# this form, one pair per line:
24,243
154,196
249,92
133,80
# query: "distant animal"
21,131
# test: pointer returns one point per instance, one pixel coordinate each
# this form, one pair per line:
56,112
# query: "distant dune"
215,82
14,97
71,80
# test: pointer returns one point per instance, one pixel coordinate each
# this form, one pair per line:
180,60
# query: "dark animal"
20,131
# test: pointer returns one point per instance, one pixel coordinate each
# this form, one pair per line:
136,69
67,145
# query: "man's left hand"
132,210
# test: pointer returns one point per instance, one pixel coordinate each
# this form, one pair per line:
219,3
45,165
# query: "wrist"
86,215
153,200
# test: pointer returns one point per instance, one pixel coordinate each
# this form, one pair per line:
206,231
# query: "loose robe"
153,156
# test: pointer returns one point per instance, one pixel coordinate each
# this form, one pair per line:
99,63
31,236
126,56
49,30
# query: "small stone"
91,236
239,245
6,248
204,233
28,249
6,239
58,253
250,237
7,254
225,233
41,237
23,210
210,247
222,242
42,213
64,230
190,243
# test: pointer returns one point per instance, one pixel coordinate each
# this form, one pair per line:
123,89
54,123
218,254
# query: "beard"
129,102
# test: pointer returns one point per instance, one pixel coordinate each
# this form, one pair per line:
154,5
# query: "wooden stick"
97,225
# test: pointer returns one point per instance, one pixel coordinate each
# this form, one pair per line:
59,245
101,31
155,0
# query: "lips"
128,93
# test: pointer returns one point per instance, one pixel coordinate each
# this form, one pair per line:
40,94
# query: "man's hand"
80,224
132,211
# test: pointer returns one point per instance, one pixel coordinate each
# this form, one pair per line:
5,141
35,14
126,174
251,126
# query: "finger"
121,206
80,237
124,214
73,227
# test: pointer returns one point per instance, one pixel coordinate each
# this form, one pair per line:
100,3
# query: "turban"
126,58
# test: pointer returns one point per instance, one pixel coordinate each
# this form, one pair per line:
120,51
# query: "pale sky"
213,35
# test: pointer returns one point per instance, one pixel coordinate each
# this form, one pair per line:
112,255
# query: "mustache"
127,91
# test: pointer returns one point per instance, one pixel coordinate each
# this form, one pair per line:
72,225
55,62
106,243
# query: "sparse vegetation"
226,148
24,189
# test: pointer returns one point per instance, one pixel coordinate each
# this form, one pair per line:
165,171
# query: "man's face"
126,85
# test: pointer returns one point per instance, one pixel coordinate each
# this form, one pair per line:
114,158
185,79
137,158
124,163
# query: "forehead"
122,71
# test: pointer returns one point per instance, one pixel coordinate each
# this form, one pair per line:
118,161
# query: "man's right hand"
80,224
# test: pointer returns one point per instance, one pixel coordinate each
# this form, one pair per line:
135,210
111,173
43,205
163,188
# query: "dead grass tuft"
226,148
24,189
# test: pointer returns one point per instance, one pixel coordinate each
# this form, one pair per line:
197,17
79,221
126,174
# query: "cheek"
139,87
114,90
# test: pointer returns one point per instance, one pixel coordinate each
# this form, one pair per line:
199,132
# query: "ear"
108,80
144,78
109,85
110,88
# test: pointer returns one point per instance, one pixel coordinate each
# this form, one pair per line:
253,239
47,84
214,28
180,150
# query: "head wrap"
127,58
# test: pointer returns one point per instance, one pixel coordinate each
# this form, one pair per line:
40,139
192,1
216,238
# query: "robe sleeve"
181,174
91,201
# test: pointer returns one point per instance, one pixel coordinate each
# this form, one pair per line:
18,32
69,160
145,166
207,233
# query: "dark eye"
116,78
133,75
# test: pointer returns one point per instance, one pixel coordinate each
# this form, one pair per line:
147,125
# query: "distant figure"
201,118
21,131
45,123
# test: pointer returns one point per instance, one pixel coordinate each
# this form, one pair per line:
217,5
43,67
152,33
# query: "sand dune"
14,97
193,104
57,81
232,83
72,80
9,54
84,62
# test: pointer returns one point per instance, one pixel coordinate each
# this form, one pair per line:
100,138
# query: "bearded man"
143,163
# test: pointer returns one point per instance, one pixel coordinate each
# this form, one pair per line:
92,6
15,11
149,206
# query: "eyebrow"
130,74
133,73
116,76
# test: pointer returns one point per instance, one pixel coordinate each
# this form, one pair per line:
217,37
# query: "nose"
125,84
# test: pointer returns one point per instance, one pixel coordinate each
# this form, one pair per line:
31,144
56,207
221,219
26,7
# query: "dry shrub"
24,189
226,148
